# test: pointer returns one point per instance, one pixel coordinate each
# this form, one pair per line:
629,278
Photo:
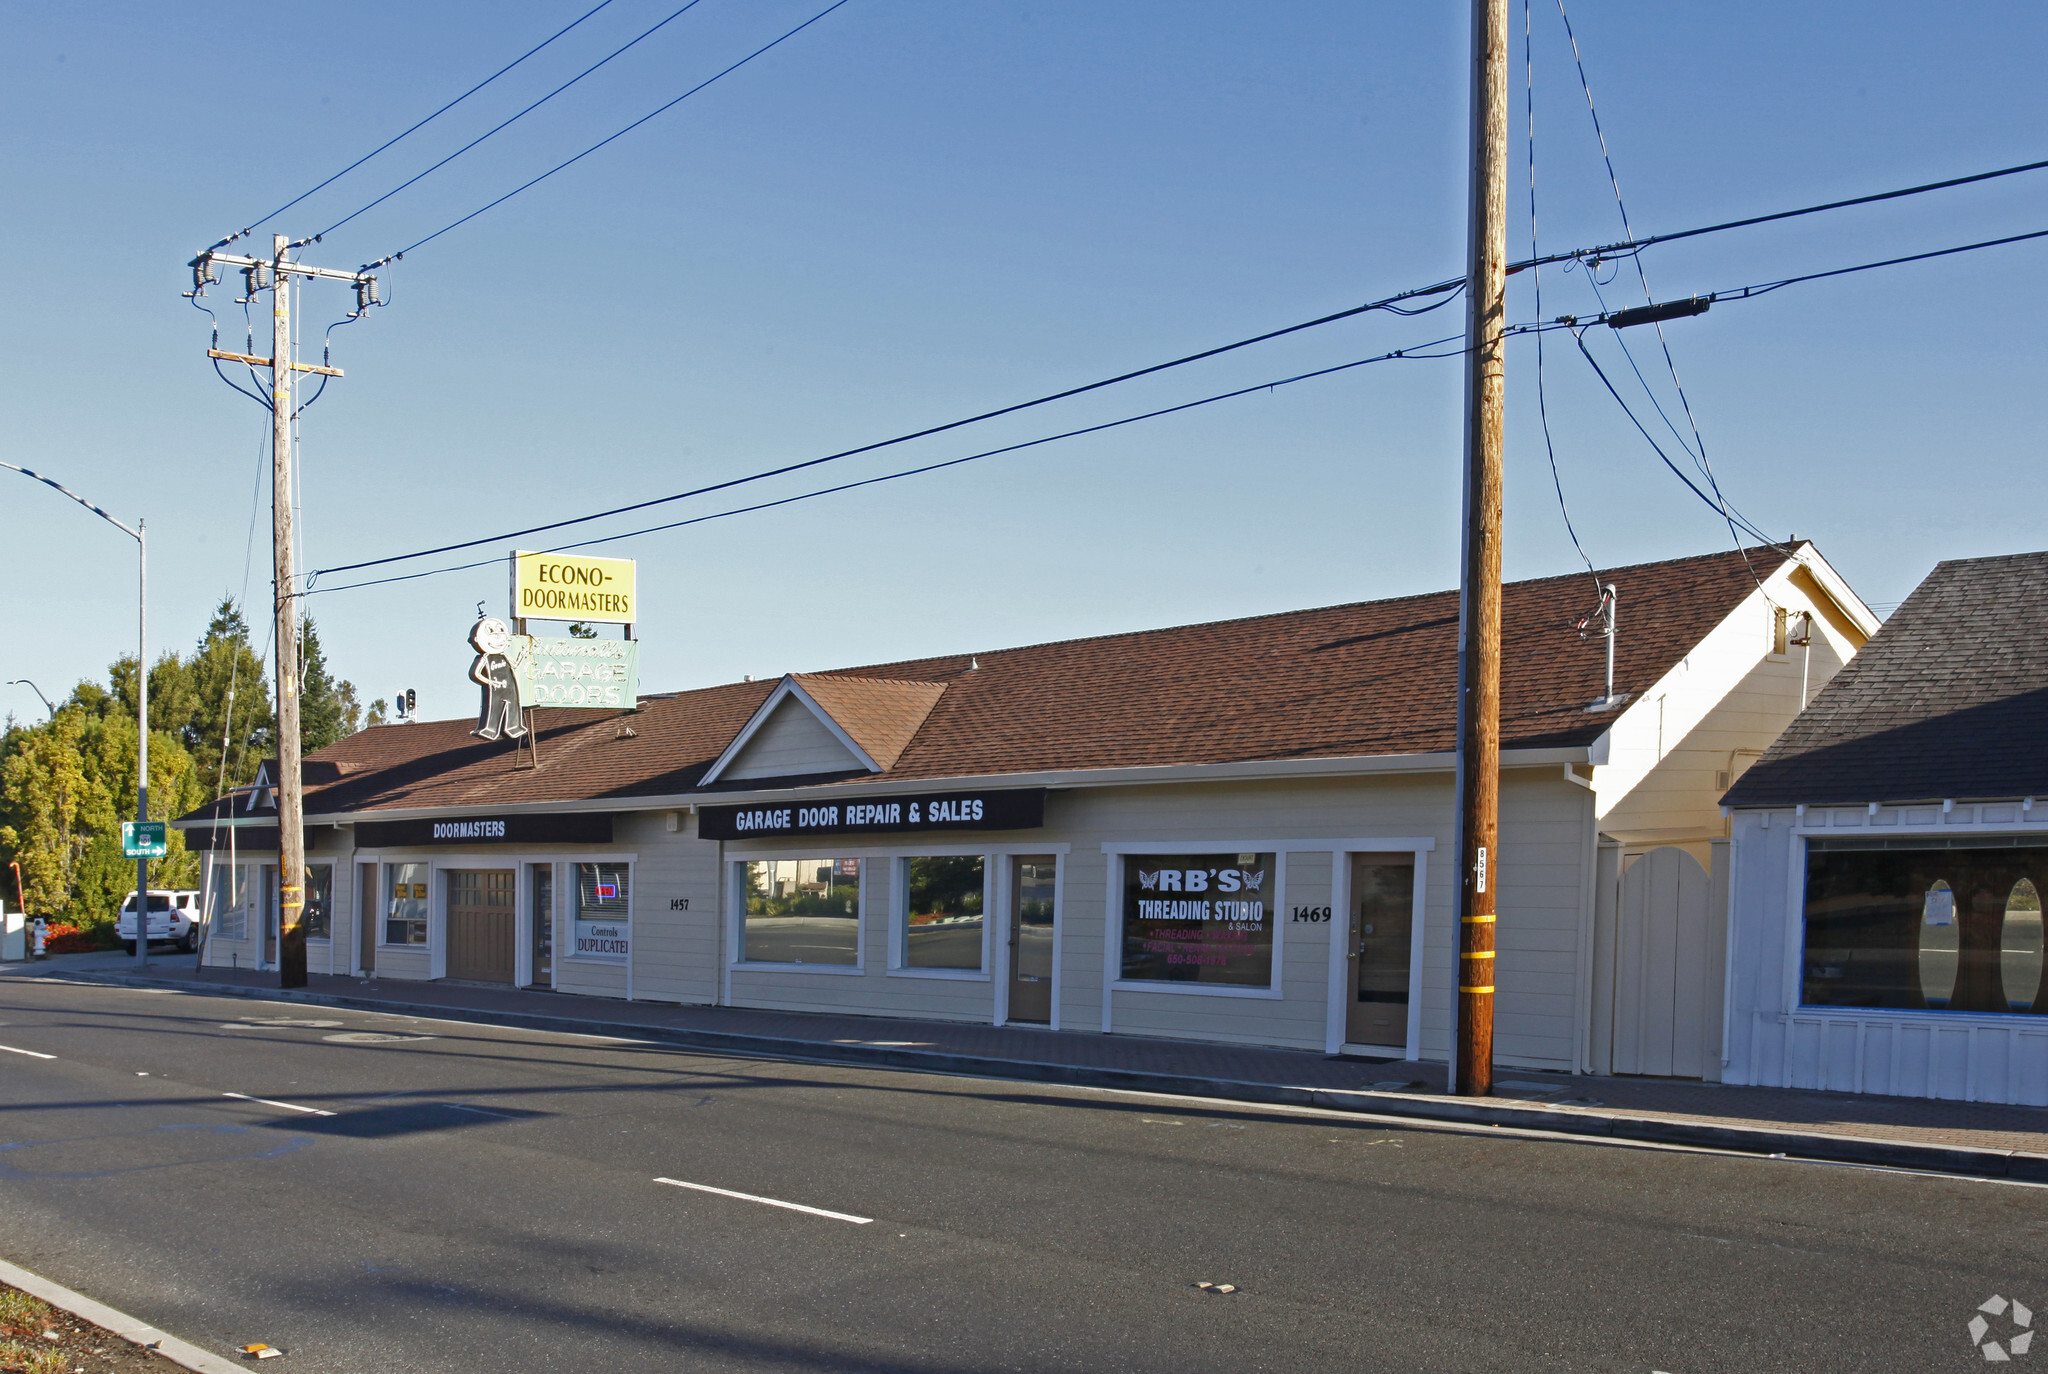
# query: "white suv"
173,916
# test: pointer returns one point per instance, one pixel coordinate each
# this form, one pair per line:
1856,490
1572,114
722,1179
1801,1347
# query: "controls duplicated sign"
1012,809
562,586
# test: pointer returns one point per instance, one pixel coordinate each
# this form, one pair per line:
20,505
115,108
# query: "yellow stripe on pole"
1477,920
1487,988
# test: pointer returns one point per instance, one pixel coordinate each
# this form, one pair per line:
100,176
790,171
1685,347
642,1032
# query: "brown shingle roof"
1376,677
881,715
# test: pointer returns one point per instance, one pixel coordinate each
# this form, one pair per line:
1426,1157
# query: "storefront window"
802,911
603,930
1924,925
2019,947
229,901
942,920
319,901
1199,918
405,918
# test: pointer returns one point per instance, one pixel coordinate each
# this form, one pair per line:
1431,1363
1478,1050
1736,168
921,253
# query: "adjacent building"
1240,831
1890,857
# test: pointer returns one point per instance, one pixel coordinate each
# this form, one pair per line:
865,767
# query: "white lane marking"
288,1106
772,1202
33,1054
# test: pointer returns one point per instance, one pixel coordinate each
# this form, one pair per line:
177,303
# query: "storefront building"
1890,857
1238,831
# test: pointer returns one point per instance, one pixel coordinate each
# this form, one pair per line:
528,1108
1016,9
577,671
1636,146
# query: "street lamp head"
24,682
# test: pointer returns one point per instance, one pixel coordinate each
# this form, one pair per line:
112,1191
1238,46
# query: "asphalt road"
487,1200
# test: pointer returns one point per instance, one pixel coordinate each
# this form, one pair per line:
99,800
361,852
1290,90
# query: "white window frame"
899,914
1005,902
1113,922
1795,927
383,928
736,910
565,910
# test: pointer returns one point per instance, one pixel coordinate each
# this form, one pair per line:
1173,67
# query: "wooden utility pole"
291,828
1479,586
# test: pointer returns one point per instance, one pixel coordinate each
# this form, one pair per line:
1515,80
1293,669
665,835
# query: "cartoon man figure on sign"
496,670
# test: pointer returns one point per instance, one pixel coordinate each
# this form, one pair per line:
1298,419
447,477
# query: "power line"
620,134
1574,324
1399,354
1743,293
256,224
1536,276
1578,336
1390,303
505,125
1698,450
1614,249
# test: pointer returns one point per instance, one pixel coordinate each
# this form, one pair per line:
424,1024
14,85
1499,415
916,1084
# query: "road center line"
769,1201
288,1106
33,1054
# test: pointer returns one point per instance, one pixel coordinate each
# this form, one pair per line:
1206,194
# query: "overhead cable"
1536,275
505,124
255,224
1390,303
612,138
1576,326
1415,352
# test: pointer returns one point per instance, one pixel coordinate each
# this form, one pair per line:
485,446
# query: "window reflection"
802,911
2020,943
1938,944
1926,926
943,912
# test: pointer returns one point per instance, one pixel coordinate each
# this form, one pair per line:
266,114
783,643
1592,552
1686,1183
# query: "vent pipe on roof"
1601,624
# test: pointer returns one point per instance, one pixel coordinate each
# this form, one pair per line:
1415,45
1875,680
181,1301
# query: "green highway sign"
144,839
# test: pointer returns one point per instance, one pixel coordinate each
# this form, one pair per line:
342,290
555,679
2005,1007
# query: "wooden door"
1031,936
480,925
1382,920
1661,967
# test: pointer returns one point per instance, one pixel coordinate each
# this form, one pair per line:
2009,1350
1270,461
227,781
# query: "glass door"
1032,887
366,919
1382,919
543,890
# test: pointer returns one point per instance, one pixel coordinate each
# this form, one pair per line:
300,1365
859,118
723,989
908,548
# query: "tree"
232,727
45,797
328,708
380,711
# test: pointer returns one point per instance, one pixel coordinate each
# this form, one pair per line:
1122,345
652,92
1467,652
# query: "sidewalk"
1962,1137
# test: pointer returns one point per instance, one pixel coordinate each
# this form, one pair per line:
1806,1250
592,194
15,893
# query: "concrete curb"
1819,1146
120,1323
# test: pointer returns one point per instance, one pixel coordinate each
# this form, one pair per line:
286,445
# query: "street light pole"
140,535
24,682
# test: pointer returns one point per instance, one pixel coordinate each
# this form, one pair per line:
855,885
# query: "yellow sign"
561,586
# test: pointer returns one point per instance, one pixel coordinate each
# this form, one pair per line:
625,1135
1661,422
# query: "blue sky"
917,210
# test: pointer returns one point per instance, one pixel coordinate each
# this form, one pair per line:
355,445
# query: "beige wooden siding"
675,952
1680,743
791,743
1545,845
1546,825
874,990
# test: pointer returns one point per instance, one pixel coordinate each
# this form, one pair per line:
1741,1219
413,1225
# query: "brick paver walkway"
1978,1125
